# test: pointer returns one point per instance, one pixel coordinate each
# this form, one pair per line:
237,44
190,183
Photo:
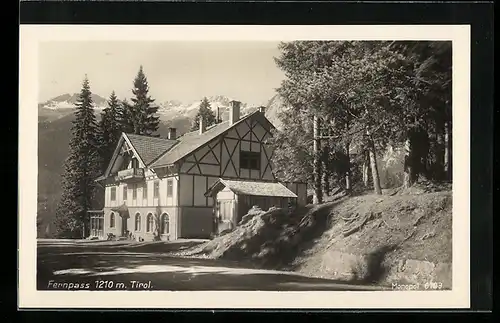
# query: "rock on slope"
252,241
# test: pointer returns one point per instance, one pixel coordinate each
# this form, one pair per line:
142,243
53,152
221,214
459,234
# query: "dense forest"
349,102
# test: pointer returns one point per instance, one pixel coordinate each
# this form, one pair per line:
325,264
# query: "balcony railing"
130,175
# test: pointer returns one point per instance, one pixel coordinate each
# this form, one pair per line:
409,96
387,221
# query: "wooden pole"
318,193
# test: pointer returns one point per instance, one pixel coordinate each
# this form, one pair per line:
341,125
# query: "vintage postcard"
244,166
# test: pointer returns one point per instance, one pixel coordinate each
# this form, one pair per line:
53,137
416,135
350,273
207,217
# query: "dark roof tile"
254,188
150,148
194,140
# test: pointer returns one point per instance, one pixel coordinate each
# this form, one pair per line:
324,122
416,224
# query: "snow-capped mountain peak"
68,101
175,108
169,110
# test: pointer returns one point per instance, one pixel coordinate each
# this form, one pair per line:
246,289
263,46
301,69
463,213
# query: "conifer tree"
144,118
81,168
377,94
127,116
109,129
206,113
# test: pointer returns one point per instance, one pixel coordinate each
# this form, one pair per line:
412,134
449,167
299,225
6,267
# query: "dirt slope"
404,236
399,231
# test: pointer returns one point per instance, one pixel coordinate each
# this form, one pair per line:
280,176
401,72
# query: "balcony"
130,175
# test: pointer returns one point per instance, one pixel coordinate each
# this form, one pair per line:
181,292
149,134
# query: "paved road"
77,268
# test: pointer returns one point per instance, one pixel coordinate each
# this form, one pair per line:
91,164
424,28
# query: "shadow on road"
166,273
57,247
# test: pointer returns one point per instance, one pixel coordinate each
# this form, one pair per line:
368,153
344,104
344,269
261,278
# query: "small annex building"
232,199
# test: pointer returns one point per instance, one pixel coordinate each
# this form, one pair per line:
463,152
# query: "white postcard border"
29,297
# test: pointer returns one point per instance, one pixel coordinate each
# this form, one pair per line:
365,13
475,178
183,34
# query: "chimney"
262,109
234,112
172,133
202,127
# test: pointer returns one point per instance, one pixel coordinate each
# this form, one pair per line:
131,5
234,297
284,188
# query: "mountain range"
64,105
55,117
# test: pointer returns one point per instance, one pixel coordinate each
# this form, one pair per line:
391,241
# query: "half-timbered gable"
223,150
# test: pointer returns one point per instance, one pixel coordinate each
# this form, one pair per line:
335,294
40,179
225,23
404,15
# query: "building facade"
155,187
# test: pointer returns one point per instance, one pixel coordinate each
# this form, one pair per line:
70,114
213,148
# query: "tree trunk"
348,173
326,183
440,152
326,170
448,151
83,227
374,169
366,170
417,149
318,193
408,166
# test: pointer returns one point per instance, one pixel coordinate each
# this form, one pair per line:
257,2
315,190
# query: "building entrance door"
97,226
226,216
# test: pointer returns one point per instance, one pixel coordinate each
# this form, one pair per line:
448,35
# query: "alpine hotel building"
194,185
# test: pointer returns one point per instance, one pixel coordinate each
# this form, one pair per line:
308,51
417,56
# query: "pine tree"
293,154
206,113
109,129
378,93
127,116
81,168
144,119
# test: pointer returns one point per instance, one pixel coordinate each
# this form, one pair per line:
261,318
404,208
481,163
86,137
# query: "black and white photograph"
281,164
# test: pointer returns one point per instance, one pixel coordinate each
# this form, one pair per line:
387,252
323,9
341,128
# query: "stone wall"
399,274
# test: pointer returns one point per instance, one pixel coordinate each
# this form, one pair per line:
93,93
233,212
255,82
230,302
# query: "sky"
184,71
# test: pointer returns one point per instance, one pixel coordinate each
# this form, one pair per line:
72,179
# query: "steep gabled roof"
194,140
113,159
150,148
157,152
147,149
253,188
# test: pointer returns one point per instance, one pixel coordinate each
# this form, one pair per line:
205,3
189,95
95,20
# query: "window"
135,163
156,191
137,222
112,220
134,192
170,187
149,223
113,193
164,224
250,160
145,191
125,193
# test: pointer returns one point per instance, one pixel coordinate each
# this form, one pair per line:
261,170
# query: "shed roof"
254,188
